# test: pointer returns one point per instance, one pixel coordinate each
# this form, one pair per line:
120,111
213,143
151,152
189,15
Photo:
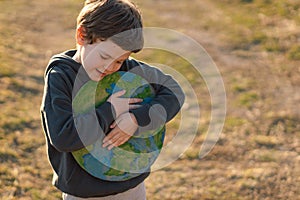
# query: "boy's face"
102,58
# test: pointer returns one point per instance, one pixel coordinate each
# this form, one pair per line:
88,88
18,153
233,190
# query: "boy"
108,31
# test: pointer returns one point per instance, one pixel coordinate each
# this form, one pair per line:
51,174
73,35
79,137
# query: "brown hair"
118,20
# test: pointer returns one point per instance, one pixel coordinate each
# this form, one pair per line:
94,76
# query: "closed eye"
104,57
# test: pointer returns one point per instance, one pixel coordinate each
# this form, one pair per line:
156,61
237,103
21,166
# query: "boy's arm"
164,106
65,131
167,102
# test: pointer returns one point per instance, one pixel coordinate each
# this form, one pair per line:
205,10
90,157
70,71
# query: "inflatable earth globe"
131,158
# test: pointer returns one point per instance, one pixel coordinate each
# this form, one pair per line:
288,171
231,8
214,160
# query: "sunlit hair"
117,20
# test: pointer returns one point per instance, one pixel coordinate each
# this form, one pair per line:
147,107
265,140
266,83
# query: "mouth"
101,73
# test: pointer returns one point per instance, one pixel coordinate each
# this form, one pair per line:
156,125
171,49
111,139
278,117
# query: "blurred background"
254,43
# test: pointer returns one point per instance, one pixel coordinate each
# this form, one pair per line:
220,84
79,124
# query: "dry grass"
254,43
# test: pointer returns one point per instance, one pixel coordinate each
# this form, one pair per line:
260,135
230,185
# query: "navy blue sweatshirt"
59,126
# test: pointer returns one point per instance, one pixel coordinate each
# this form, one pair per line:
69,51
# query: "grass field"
254,43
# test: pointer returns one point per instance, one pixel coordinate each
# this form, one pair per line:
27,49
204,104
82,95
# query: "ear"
80,35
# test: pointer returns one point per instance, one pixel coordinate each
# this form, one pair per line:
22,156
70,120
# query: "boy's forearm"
168,99
164,106
68,133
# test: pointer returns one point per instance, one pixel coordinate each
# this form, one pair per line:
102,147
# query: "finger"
116,122
106,144
134,106
110,147
115,138
118,142
124,140
119,93
113,125
135,100
111,135
113,144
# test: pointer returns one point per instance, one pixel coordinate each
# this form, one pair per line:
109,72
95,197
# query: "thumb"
119,93
113,125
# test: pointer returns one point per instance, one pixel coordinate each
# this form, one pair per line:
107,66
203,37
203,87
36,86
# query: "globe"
136,155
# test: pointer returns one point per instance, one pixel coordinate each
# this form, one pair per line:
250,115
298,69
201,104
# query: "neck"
76,57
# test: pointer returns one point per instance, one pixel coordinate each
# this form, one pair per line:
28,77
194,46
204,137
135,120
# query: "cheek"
113,68
90,61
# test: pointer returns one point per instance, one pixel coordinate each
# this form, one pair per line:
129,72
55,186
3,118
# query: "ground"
255,45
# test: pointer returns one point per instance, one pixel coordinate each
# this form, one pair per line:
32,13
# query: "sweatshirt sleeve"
167,102
66,131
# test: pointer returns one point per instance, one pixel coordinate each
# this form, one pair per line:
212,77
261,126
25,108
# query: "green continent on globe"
133,157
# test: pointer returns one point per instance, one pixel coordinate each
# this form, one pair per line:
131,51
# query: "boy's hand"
123,128
121,104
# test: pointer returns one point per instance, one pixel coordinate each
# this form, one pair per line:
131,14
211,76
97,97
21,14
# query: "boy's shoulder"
134,64
149,72
62,62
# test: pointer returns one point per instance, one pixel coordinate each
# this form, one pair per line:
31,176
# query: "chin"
94,78
97,79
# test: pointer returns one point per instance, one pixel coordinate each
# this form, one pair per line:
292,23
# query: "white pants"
137,193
